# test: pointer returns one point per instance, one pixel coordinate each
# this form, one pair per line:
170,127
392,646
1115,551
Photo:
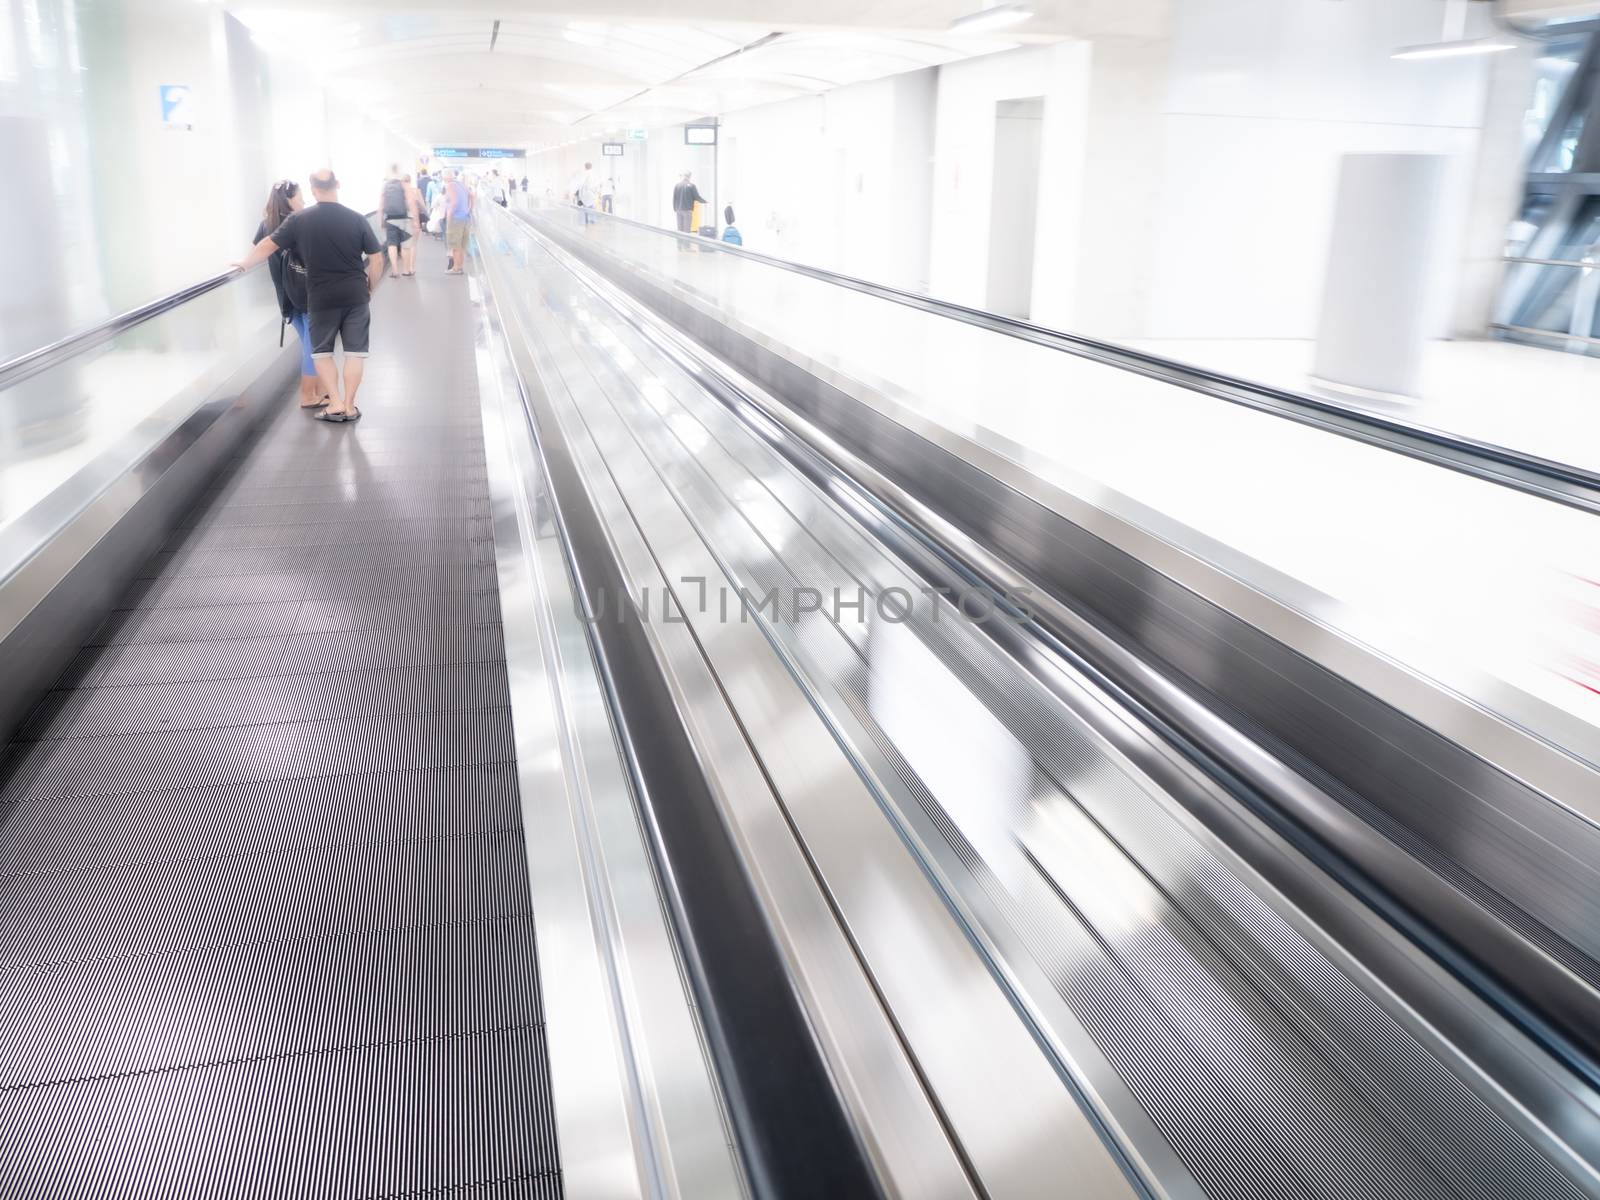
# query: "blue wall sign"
177,106
477,152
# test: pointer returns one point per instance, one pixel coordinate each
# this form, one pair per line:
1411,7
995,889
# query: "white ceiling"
435,78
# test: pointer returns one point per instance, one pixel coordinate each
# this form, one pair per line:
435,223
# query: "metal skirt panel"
1265,991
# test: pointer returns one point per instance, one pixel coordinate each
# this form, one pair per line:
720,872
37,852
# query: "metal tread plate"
265,924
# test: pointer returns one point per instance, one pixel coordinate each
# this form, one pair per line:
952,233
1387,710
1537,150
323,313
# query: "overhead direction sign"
478,152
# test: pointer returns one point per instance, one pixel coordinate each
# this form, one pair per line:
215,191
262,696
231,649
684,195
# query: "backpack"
394,198
296,284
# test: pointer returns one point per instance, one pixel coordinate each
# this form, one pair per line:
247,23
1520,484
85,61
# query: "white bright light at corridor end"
1453,49
995,17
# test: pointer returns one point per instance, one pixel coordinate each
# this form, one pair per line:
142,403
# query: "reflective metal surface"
1013,1120
749,527
1340,919
1324,695
1548,479
72,553
1264,600
606,990
706,865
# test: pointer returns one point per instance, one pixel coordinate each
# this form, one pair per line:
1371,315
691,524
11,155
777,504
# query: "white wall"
838,180
1190,159
644,175
1262,99
134,209
963,170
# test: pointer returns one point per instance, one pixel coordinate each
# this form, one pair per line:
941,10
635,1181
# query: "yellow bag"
694,218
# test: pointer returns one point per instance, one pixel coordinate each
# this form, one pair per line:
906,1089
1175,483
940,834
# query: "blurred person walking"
608,195
684,197
415,216
458,202
289,281
344,263
392,209
583,190
435,198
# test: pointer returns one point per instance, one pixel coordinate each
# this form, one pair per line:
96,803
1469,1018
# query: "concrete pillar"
1375,296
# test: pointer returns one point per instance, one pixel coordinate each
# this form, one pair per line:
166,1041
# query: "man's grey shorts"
352,326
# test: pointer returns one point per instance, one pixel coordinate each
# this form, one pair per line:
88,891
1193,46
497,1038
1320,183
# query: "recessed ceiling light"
1456,49
996,16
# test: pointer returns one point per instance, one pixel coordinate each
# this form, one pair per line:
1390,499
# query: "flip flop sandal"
314,407
332,418
353,414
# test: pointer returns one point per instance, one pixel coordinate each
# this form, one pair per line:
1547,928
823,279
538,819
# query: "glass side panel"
1554,72
109,405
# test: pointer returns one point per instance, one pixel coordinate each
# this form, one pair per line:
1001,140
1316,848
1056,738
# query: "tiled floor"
264,915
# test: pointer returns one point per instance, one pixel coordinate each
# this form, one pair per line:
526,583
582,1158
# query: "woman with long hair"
289,278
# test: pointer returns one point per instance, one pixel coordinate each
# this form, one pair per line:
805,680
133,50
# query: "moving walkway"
634,761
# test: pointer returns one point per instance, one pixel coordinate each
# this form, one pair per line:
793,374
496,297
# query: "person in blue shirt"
730,232
431,198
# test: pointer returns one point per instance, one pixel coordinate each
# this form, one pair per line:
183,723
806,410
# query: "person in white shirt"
608,195
582,190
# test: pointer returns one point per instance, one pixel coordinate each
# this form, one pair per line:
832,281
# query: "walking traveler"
344,263
608,195
392,209
582,189
434,195
457,220
289,281
415,215
684,197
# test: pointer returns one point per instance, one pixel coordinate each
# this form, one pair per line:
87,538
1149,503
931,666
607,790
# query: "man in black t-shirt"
343,262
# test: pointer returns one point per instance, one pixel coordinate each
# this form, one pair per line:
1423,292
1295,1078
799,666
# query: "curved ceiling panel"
541,80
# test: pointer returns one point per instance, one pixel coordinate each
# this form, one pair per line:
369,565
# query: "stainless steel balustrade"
114,431
1473,831
115,427
1546,478
303,808
1218,1002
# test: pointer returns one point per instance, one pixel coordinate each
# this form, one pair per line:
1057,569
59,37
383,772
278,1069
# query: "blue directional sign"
477,152
177,106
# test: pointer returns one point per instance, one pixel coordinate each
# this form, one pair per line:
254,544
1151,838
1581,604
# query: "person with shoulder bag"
396,213
289,280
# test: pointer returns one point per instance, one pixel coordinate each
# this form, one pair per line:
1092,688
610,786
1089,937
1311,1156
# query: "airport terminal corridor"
927,601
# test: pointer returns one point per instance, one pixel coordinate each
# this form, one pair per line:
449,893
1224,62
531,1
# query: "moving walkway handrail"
1542,477
26,366
1266,789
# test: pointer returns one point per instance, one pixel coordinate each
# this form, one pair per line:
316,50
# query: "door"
1014,205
